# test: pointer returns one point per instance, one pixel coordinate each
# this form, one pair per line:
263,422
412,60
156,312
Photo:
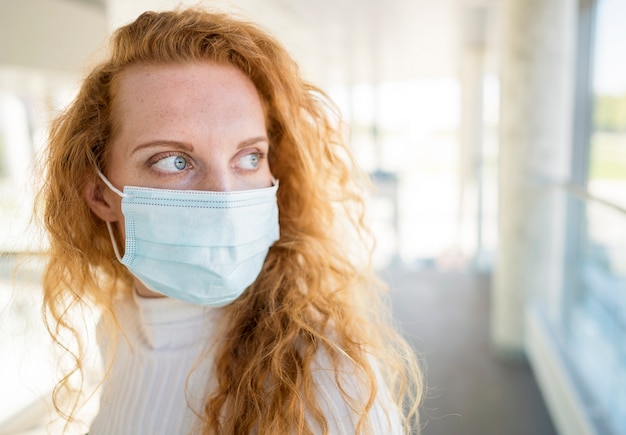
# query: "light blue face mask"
201,247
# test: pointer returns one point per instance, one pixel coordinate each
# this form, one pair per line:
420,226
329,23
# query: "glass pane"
597,312
607,171
587,318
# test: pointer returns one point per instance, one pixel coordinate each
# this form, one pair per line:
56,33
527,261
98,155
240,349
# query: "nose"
216,180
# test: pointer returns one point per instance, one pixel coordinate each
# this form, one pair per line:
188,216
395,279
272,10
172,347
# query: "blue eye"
173,163
180,163
250,161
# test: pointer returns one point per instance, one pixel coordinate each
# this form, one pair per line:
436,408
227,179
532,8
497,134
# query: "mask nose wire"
111,186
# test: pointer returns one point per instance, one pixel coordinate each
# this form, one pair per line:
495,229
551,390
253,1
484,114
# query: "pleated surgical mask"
201,247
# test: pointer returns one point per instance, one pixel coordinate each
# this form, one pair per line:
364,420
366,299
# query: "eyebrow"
171,143
188,147
252,141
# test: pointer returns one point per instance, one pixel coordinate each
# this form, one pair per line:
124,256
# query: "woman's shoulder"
341,386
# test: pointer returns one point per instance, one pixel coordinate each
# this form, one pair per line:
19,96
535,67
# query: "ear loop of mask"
113,241
111,186
108,224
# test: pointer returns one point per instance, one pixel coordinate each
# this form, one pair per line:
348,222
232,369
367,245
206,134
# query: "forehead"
144,91
146,82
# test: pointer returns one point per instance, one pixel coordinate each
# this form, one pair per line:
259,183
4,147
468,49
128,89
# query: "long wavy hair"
316,292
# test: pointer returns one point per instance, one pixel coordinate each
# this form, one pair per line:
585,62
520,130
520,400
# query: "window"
607,154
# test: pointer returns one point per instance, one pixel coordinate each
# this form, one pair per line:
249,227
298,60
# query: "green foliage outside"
609,113
608,141
608,155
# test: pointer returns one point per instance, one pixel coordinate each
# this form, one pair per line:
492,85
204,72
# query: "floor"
469,392
445,316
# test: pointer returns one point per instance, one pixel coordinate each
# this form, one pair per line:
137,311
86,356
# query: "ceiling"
366,40
335,41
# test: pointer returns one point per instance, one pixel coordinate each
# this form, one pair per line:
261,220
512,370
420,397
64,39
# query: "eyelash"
259,155
156,159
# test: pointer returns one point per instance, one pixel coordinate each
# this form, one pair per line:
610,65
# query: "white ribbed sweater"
158,379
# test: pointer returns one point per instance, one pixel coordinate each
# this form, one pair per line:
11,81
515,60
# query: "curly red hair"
316,291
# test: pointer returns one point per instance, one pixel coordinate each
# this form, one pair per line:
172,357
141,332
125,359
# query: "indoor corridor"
470,391
494,132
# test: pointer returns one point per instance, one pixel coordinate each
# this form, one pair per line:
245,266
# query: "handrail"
584,194
32,416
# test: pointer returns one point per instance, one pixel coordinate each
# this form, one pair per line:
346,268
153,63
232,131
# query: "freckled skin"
211,115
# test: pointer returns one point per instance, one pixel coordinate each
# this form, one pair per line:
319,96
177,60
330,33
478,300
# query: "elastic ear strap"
111,186
113,241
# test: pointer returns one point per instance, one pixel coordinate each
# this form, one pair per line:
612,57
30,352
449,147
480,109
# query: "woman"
200,196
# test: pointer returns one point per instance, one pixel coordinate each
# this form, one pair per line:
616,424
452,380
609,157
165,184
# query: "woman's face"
197,126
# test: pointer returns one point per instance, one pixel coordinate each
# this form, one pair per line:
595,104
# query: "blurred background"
495,134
